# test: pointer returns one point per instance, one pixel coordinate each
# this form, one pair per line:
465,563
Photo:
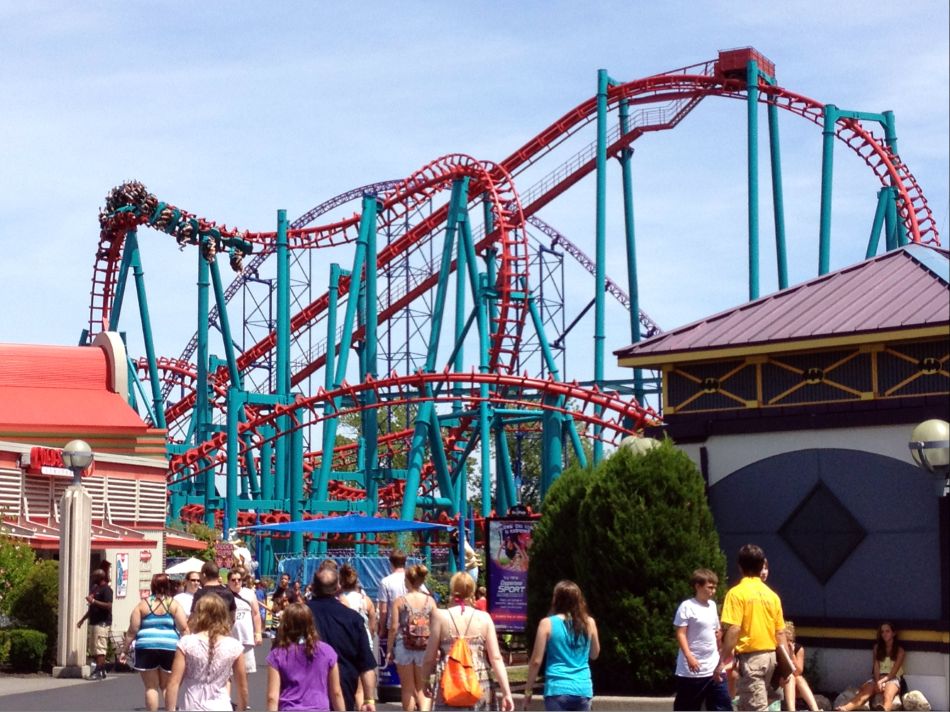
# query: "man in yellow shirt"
754,625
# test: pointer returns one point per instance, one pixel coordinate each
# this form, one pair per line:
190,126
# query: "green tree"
16,560
641,524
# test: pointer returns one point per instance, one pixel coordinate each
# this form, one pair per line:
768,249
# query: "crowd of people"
195,647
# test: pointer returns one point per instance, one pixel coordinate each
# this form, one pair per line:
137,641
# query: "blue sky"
233,110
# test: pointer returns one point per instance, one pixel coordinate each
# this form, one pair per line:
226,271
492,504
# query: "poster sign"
122,574
223,554
509,543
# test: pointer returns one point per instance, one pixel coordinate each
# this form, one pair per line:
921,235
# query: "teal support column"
283,351
267,463
752,105
135,258
827,174
550,448
367,222
371,422
484,416
296,484
633,284
201,414
890,220
600,252
875,237
125,267
505,485
333,296
222,304
890,138
778,197
235,404
415,460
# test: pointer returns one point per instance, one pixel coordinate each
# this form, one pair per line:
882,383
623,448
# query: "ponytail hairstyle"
416,575
568,600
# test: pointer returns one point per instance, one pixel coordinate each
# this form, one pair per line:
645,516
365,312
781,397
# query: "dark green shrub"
630,535
36,603
4,646
27,649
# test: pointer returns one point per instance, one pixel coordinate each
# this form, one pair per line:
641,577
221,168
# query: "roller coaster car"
732,63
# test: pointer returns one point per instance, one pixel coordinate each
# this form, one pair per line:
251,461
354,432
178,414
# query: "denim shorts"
567,702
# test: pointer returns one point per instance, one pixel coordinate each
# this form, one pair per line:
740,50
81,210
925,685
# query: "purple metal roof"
902,289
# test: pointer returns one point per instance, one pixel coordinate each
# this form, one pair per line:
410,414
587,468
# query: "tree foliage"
35,603
16,560
630,533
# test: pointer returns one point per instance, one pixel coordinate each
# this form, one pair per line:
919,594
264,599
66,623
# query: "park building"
798,408
51,395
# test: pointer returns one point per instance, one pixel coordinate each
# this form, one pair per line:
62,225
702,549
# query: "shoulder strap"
457,631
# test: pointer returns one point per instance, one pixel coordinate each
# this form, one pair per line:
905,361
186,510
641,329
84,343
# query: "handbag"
784,665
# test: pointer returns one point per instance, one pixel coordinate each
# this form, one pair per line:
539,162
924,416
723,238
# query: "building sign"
47,461
509,542
122,575
223,554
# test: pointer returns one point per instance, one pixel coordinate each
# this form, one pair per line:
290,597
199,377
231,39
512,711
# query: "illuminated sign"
49,461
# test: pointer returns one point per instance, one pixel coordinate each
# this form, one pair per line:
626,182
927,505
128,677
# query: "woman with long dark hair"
887,670
302,671
569,638
156,624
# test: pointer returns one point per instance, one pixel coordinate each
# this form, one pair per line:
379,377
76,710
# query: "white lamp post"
930,447
75,523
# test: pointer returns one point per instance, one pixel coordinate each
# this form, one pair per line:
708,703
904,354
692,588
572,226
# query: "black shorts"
150,658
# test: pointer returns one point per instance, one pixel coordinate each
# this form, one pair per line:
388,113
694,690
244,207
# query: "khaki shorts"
99,638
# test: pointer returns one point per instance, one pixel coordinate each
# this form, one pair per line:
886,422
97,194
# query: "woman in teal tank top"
569,637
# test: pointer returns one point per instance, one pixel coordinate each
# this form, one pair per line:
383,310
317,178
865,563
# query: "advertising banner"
121,575
509,543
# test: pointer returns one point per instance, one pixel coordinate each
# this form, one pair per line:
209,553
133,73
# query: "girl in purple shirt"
302,673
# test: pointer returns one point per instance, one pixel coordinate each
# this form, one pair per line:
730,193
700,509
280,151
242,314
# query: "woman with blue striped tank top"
156,624
569,638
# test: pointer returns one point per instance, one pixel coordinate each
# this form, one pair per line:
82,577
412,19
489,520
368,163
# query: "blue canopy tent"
369,569
350,524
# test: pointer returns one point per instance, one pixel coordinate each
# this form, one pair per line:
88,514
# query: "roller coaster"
410,385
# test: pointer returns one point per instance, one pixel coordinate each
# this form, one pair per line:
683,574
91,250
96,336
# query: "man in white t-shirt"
186,598
698,664
390,588
247,624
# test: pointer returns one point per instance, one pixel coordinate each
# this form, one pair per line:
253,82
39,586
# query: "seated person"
887,671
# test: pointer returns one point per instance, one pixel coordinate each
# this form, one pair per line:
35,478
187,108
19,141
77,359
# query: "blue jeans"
692,692
567,702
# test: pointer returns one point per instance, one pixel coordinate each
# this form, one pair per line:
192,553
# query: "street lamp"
75,523
930,447
77,456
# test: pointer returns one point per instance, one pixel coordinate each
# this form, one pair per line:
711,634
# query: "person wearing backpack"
462,647
566,641
409,625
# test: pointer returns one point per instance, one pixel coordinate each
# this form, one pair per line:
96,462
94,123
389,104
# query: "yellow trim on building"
868,634
871,339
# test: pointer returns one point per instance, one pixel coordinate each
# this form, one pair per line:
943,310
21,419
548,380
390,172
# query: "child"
302,671
205,659
698,665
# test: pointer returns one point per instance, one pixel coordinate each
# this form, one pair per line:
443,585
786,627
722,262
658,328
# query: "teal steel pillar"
283,352
752,105
600,252
890,220
296,484
333,295
778,197
827,174
875,237
371,422
633,284
235,404
158,407
551,456
890,137
484,416
267,463
201,414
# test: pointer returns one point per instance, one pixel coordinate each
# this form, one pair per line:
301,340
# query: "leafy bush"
16,560
27,649
4,646
630,533
35,603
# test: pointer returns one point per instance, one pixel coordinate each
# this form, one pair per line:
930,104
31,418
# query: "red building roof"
46,391
890,296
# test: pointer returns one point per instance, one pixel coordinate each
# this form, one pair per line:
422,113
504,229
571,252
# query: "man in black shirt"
211,583
342,629
99,615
